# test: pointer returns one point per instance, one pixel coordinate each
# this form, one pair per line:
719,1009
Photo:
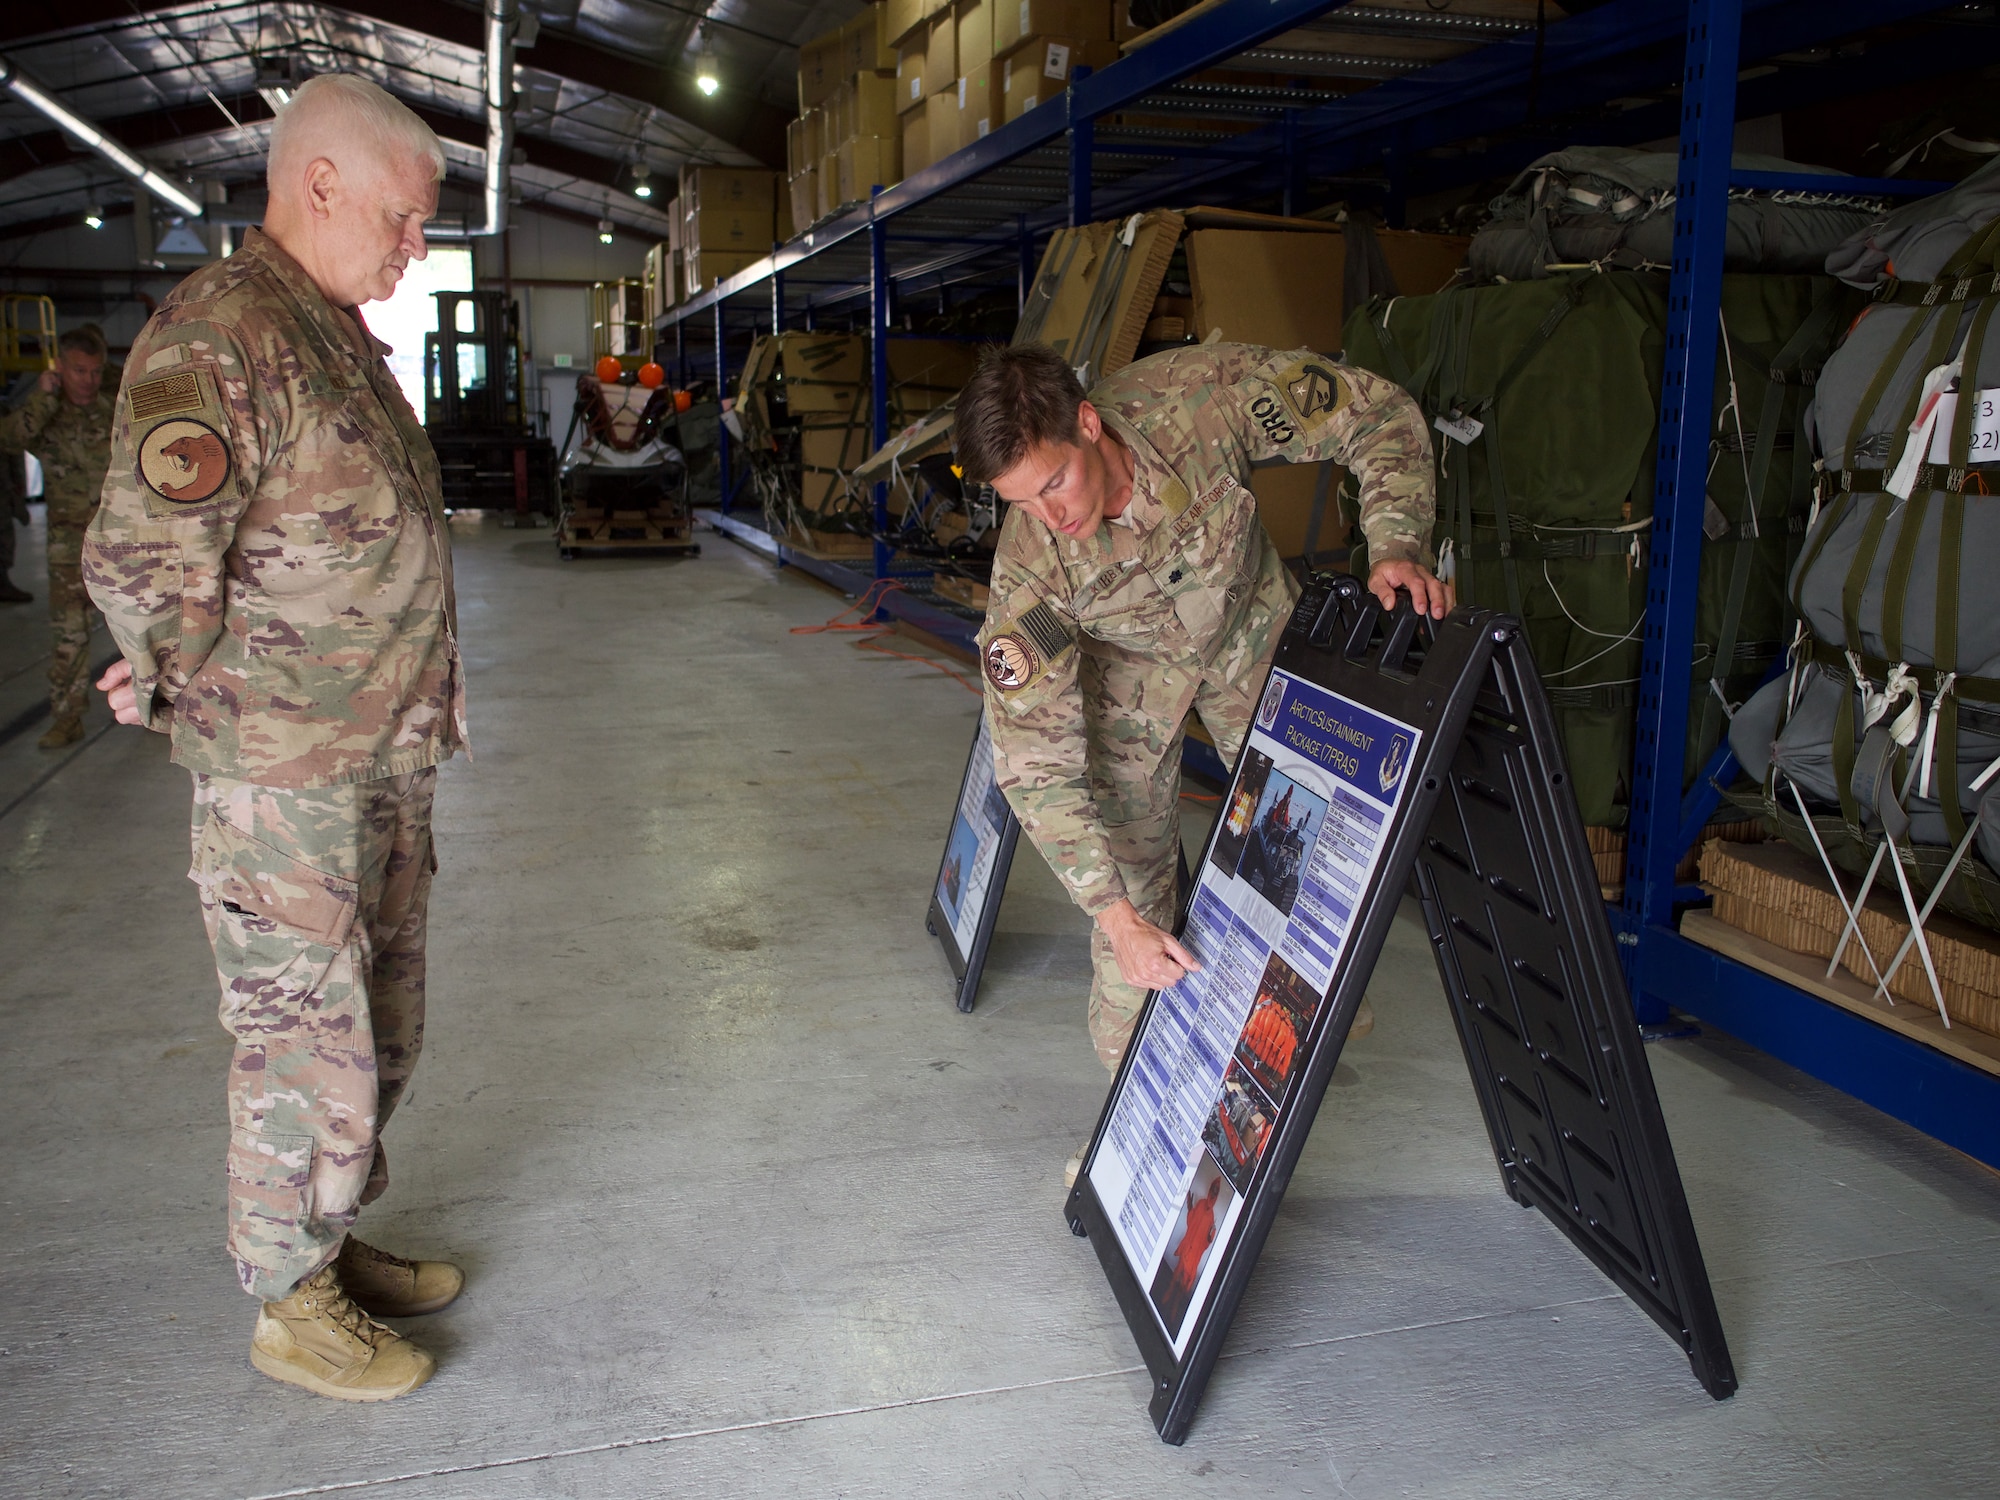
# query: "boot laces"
331,1299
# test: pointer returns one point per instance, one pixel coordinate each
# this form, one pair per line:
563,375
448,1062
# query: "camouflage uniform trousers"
1135,778
314,903
70,619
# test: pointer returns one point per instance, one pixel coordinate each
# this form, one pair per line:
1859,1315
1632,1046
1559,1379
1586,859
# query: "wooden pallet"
1919,1022
966,591
626,531
830,546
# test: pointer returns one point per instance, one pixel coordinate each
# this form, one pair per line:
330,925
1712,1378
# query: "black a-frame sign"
972,875
1383,751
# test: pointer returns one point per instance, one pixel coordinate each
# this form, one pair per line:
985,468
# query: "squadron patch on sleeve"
1314,391
184,461
1016,657
1010,662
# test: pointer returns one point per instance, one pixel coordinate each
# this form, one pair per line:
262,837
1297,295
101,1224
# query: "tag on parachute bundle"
1459,428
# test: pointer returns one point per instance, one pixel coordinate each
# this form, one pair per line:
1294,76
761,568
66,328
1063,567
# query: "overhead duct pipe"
502,17
32,94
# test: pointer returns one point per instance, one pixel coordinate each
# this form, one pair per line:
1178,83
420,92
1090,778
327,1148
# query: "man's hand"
1148,956
116,685
1430,596
50,382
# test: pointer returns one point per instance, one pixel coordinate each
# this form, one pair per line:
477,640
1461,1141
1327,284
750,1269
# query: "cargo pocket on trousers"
279,927
270,1178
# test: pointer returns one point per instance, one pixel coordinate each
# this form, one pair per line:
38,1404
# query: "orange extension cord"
870,601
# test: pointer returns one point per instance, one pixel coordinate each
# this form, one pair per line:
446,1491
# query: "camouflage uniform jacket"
271,553
1194,583
73,445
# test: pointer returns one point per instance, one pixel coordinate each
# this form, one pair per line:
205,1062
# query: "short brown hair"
1021,397
85,338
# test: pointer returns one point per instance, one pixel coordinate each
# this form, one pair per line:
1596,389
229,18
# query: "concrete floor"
748,1209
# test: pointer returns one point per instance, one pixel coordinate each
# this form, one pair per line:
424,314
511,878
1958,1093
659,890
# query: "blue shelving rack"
1622,72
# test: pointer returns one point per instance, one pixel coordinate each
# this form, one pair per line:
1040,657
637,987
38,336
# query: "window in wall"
404,319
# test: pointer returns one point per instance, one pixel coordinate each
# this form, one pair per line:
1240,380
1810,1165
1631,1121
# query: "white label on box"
984,126
916,86
1057,65
1027,22
1006,74
961,93
1985,445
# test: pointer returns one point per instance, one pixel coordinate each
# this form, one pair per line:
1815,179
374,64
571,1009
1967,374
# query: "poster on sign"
978,853
1302,829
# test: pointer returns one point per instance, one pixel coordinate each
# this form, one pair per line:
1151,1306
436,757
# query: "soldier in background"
66,424
1133,580
272,557
13,512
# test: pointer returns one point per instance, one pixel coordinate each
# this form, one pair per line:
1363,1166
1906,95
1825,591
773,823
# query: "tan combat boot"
316,1338
387,1286
65,731
1364,1021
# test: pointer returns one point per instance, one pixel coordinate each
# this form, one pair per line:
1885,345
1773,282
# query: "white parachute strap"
1447,568
1875,705
1929,747
1852,913
1918,444
1917,927
1735,410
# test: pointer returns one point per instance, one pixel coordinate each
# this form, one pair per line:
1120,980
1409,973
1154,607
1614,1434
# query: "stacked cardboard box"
728,218
1039,44
658,282
846,140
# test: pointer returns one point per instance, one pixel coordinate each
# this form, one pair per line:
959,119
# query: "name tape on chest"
1019,655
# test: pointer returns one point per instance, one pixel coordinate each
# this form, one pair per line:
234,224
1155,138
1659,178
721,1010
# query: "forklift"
486,444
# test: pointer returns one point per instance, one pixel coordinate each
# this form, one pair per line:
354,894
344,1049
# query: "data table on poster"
1302,831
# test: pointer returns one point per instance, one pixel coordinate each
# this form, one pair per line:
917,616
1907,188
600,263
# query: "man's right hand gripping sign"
1134,581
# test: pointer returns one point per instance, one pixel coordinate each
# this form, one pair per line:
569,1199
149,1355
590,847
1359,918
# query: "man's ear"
322,186
1088,423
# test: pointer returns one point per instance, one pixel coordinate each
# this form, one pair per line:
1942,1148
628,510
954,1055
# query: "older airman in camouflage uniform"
1100,637
273,559
66,424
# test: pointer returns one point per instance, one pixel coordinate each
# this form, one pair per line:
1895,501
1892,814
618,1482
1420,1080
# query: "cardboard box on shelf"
981,105
1122,27
916,131
1017,21
803,194
938,8
974,20
1040,69
784,226
824,372
653,280
726,187
742,229
902,17
801,142
820,66
868,162
864,105
941,124
869,45
910,90
675,223
941,59
706,267
829,184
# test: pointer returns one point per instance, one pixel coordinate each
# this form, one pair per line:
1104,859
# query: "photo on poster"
1273,704
1282,830
1241,812
1239,1127
1197,1230
1280,1017
961,862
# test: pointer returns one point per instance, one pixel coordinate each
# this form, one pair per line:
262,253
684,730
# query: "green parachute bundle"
1544,399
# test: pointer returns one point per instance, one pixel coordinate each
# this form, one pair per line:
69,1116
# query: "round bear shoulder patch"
184,461
1010,662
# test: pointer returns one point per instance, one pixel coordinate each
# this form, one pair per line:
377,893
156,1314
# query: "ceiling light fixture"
604,228
94,216
706,76
642,186
36,97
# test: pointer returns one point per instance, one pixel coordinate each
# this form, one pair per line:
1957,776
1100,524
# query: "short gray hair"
333,114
